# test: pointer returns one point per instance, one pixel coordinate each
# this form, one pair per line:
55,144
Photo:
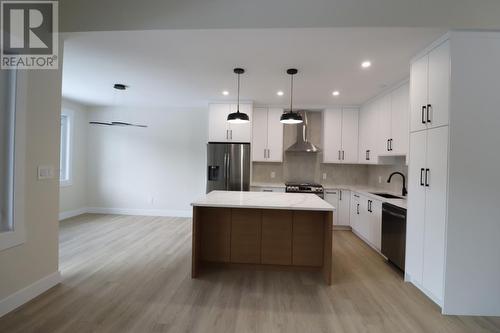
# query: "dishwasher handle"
400,216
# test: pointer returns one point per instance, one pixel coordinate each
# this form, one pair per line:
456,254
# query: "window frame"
17,234
69,114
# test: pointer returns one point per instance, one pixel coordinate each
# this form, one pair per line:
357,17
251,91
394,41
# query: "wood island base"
253,238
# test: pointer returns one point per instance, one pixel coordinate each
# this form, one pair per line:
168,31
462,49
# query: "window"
7,125
12,157
65,163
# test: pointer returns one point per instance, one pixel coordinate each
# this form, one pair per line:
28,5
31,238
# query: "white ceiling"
191,67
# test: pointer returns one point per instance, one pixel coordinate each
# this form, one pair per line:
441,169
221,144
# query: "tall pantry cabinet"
428,167
452,251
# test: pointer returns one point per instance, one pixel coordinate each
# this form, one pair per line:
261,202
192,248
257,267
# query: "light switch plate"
380,179
45,172
324,175
273,174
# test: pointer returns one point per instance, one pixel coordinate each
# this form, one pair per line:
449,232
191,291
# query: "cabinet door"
218,129
367,154
400,110
416,206
435,210
246,235
307,238
439,85
383,129
344,207
418,93
332,197
355,210
332,136
350,121
274,135
259,135
241,132
376,224
364,218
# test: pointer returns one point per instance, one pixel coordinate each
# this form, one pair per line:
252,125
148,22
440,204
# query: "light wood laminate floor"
132,274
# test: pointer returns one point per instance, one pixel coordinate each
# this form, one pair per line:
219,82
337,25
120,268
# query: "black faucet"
404,191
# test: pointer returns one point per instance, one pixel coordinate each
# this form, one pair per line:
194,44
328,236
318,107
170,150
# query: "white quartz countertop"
264,200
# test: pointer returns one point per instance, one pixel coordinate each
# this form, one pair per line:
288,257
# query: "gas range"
305,188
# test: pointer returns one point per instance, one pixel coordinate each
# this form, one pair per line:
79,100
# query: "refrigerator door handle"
226,171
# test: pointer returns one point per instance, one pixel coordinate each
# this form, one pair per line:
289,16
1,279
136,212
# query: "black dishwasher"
394,234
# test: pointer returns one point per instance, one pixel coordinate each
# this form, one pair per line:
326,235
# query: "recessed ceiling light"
280,93
225,93
366,64
336,93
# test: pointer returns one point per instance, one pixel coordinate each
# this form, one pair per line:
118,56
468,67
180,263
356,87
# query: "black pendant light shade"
291,117
238,117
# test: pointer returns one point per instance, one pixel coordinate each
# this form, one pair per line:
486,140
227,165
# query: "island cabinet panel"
215,229
307,242
246,235
277,237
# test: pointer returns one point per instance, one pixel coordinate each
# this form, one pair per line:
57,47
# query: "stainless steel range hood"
302,144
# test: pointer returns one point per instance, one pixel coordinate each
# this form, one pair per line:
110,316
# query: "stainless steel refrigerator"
228,167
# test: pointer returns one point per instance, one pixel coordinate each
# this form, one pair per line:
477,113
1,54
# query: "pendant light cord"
291,94
238,107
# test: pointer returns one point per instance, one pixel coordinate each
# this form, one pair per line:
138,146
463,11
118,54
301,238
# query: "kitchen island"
261,230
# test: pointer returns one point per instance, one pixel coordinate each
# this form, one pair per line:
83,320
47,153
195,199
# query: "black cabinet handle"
339,156
357,209
428,113
422,177
423,114
343,155
390,144
340,194
427,171
368,155
370,206
388,149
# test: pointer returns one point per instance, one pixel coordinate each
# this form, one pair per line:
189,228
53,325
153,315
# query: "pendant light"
117,87
238,117
291,117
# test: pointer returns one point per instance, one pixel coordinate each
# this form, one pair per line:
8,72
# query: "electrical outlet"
380,179
273,174
324,175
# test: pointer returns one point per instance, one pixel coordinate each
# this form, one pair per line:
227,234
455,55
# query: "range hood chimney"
302,144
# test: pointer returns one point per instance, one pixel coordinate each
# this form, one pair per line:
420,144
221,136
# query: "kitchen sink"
386,195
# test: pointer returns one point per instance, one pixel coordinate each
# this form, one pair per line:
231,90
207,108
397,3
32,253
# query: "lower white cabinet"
366,219
340,199
426,222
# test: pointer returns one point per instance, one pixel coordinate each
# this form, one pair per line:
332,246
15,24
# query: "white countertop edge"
333,209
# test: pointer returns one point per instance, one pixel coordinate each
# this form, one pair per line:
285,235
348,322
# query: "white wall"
472,278
157,170
73,198
37,258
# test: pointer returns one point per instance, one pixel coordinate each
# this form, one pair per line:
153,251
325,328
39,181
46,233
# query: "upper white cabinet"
267,137
219,130
383,126
367,134
340,135
430,89
400,111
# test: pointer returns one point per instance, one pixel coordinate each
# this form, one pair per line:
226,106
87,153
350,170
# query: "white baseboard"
140,212
27,294
72,213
